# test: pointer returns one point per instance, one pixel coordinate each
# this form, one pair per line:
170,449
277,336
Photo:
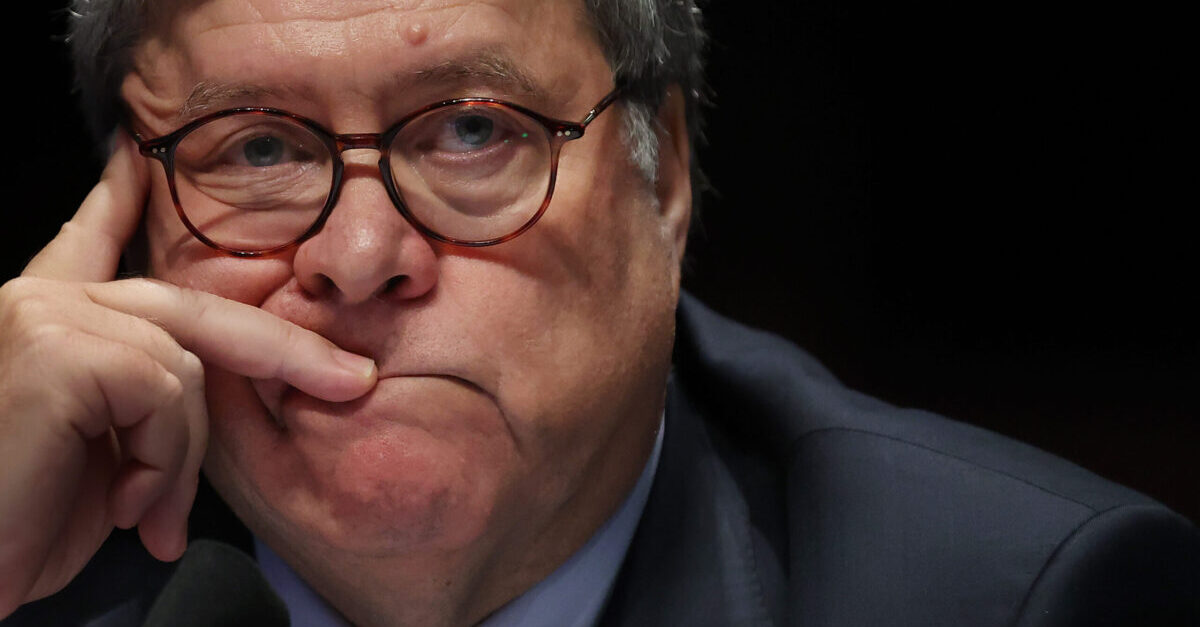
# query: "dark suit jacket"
782,498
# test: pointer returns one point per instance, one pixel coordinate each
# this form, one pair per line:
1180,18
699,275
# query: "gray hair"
649,44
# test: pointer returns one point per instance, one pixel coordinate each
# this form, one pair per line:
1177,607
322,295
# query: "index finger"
89,246
242,338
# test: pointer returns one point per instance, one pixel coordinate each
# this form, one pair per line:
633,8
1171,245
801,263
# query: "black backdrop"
978,209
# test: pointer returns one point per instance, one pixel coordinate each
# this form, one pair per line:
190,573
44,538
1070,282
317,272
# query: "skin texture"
520,385
508,398
102,412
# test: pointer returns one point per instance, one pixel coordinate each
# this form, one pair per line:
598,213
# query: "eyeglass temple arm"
153,148
125,123
601,106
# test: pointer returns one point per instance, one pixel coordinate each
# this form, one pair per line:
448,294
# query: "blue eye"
263,151
474,130
469,131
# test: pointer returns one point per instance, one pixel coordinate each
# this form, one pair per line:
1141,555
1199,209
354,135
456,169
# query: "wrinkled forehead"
203,54
180,16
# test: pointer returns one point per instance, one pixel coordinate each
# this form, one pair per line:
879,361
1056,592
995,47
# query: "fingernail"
361,366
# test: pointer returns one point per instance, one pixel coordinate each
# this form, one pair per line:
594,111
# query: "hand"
102,412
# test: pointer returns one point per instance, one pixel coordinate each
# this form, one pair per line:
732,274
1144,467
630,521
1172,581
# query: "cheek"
165,232
177,257
581,311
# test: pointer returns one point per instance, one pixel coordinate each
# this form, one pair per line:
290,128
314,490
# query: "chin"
426,482
401,492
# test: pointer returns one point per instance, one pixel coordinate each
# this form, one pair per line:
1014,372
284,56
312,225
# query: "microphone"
215,585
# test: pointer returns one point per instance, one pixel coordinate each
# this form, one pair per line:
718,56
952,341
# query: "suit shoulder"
935,522
771,393
1134,565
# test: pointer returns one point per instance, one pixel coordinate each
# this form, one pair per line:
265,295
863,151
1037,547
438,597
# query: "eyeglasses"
471,172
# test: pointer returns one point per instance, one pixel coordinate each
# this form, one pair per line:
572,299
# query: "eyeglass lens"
252,182
470,172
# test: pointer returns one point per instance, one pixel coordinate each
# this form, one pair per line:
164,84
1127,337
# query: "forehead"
203,52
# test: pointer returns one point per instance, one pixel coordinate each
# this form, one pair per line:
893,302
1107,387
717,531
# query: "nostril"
321,285
393,285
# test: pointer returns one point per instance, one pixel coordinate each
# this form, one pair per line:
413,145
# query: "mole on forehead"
235,13
275,11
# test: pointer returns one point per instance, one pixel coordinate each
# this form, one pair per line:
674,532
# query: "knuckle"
191,366
17,288
193,301
173,298
26,311
70,228
289,334
68,232
289,340
160,339
172,389
34,337
46,338
22,298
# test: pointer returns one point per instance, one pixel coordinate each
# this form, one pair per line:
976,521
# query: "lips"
419,400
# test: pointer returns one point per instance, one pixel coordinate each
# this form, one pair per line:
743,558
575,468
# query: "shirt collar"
575,593
572,596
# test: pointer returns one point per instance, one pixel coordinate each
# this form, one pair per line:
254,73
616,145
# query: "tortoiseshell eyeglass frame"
558,132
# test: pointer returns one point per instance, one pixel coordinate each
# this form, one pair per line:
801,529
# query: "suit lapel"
692,560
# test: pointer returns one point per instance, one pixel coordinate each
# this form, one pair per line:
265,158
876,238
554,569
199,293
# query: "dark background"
975,209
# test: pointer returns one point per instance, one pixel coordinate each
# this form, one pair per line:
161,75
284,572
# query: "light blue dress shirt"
572,596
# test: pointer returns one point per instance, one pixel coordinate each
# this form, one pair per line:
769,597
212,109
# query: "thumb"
88,248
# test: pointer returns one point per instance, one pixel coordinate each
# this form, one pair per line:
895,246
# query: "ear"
674,184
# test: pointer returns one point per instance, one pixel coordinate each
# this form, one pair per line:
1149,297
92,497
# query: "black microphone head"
215,585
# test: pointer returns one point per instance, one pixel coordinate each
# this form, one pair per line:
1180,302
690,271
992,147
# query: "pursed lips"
282,400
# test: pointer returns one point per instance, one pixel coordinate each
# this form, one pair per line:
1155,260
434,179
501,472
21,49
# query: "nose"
366,249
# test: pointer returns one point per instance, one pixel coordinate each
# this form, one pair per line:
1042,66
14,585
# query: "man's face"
520,384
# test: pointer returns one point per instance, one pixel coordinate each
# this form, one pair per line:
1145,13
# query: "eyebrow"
208,96
487,66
